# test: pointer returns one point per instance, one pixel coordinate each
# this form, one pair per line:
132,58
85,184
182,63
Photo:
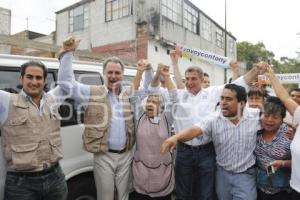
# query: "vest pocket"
19,125
18,121
56,148
93,140
24,156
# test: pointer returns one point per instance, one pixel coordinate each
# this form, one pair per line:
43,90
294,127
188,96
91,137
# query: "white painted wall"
98,32
176,33
5,27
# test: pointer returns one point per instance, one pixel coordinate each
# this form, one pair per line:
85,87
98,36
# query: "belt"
117,151
198,147
37,173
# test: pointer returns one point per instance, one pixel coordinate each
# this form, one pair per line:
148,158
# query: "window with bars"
172,9
205,29
115,9
79,18
220,38
191,18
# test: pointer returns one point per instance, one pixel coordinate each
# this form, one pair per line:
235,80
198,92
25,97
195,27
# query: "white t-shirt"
295,149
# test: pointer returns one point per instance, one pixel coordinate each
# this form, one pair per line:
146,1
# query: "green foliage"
253,53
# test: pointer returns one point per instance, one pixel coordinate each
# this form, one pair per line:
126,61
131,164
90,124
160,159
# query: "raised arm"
164,71
257,69
185,135
172,94
243,81
281,92
138,95
174,54
66,78
155,80
148,74
67,86
142,65
235,70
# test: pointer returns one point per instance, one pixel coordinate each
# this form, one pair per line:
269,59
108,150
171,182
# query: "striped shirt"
191,109
277,149
234,143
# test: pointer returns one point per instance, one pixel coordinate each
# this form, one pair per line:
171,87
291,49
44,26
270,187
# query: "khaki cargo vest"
31,142
97,120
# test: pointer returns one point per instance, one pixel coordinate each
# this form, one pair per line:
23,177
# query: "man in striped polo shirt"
233,132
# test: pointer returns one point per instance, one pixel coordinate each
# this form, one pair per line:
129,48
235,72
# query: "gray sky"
275,23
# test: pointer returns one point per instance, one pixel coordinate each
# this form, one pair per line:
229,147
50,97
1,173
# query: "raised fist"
69,44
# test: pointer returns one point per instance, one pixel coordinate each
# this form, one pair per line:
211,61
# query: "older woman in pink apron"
153,172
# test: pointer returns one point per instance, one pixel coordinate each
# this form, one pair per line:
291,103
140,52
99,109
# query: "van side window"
89,78
50,83
67,110
9,80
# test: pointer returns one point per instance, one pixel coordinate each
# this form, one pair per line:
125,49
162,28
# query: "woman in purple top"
273,153
153,173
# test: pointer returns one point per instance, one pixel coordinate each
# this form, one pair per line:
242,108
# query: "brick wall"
142,41
132,50
125,49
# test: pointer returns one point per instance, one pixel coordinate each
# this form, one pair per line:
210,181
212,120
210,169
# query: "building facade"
135,29
5,28
27,36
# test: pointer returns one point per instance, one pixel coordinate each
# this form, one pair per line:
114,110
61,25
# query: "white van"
77,164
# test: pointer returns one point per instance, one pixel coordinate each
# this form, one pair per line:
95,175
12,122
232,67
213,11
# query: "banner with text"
199,55
284,78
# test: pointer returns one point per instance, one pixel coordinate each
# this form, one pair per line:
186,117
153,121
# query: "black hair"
205,74
273,105
35,64
240,91
294,89
254,91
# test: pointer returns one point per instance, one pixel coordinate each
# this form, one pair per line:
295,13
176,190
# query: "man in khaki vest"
30,126
109,126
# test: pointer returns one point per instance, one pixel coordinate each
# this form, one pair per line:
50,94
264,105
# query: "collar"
283,128
27,97
247,113
155,120
123,90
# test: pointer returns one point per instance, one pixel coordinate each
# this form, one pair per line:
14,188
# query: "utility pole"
225,44
27,23
298,52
